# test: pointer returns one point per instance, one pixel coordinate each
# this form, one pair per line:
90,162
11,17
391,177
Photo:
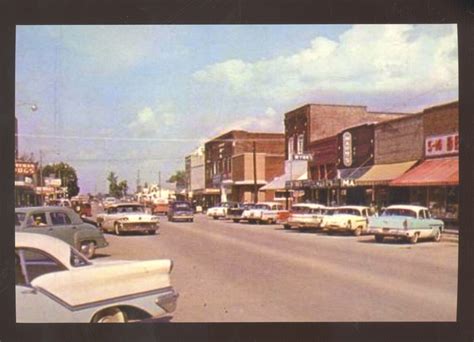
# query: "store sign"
442,145
347,149
55,182
25,168
303,156
217,179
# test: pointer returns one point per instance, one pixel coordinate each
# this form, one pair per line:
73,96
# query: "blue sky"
128,98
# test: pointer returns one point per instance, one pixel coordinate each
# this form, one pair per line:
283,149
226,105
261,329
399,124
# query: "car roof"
51,245
406,206
41,208
359,207
126,204
309,205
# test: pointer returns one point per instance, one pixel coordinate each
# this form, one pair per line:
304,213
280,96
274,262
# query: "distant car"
347,218
264,212
127,217
305,215
160,207
83,209
407,222
108,201
235,213
220,211
62,223
60,202
57,284
180,211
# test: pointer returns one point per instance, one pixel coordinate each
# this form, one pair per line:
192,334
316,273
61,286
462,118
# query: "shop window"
290,148
300,144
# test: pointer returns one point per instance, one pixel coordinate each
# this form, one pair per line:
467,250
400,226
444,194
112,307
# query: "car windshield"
347,211
399,212
182,206
19,218
300,209
262,206
316,211
249,206
131,209
328,212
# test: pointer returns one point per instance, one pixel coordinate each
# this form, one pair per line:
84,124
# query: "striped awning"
384,173
432,172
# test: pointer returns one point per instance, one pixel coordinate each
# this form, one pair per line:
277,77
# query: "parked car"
347,218
127,217
160,207
305,215
57,284
108,201
235,213
265,212
220,211
409,222
180,211
63,223
83,209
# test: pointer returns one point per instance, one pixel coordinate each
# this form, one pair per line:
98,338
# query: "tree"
116,188
179,178
66,173
123,187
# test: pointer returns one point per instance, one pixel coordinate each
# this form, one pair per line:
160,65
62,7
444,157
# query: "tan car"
127,217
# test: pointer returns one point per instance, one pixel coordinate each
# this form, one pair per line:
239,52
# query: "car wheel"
286,226
215,217
117,228
152,232
414,238
379,238
87,248
236,220
111,315
437,236
357,231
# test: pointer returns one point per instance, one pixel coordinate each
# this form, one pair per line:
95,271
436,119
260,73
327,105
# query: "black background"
237,12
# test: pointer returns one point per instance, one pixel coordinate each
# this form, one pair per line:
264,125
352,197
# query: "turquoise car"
408,222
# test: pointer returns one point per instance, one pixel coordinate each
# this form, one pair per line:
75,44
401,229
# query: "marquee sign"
25,168
303,156
442,145
347,149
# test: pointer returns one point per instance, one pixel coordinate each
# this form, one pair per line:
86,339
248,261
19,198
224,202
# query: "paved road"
234,272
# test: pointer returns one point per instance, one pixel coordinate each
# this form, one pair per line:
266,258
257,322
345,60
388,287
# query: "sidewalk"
450,235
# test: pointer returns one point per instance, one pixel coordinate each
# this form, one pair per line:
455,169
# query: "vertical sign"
347,149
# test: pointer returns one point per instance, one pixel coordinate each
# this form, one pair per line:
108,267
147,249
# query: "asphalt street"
237,272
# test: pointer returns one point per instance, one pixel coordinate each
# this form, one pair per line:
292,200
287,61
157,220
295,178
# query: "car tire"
87,248
286,226
110,315
117,228
236,220
357,231
437,236
414,238
152,232
379,238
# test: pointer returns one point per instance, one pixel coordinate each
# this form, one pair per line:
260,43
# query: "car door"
62,226
109,218
37,222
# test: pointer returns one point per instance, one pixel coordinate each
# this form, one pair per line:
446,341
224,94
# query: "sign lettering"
25,168
442,145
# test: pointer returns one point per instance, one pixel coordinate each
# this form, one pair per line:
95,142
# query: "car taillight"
405,224
171,266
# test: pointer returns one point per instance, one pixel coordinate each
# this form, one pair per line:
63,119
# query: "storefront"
25,184
434,183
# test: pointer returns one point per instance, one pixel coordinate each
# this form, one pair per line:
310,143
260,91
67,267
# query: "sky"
132,99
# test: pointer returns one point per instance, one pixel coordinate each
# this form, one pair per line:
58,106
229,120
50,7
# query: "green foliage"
116,189
66,173
179,178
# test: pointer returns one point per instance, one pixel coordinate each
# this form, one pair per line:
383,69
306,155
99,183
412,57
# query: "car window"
77,260
59,218
427,214
111,210
39,220
19,218
181,206
37,263
348,211
399,212
422,214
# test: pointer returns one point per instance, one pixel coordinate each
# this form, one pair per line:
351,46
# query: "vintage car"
347,218
63,223
60,202
264,212
108,201
160,207
407,222
180,211
57,284
305,215
127,217
235,213
220,211
84,209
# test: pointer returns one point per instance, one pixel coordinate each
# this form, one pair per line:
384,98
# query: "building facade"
229,165
195,180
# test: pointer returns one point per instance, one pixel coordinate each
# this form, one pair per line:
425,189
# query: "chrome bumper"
167,300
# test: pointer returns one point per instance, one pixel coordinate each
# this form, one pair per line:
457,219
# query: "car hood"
105,280
342,218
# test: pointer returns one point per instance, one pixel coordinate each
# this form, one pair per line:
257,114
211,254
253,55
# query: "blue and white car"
409,222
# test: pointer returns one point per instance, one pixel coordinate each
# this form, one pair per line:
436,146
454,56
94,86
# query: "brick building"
229,164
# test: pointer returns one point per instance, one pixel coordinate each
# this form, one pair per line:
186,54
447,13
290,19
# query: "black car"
180,211
235,213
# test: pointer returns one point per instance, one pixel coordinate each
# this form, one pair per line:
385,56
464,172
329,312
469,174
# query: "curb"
450,237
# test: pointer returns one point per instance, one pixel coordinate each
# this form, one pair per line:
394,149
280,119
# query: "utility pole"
138,181
255,190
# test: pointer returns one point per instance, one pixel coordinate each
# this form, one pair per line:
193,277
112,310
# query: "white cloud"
370,59
152,121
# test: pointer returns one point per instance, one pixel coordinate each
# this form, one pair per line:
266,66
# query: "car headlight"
124,219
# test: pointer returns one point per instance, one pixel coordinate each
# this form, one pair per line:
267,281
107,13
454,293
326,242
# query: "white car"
56,284
264,212
127,217
109,201
347,218
220,211
305,215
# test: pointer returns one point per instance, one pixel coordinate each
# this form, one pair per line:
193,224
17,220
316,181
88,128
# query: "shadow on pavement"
100,255
165,319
